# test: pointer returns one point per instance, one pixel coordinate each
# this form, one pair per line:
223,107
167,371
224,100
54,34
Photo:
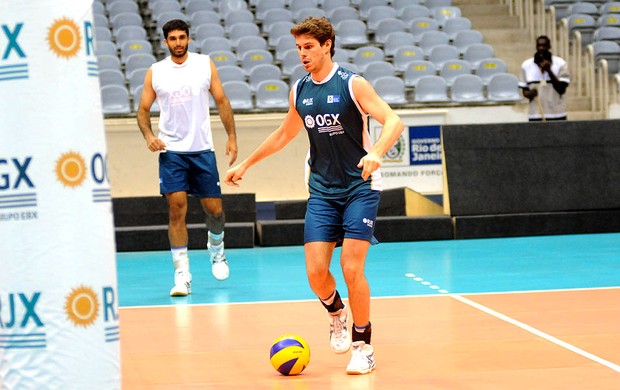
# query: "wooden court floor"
473,328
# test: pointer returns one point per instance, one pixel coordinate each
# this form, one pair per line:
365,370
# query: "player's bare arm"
144,114
226,114
382,113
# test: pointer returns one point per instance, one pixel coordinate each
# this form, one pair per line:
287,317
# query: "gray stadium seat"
242,30
103,34
420,25
609,20
250,43
231,73
223,58
208,30
438,3
397,39
160,6
136,79
138,61
290,59
352,33
202,17
442,14
303,13
467,88
387,26
391,89
329,5
238,16
277,30
135,46
230,5
604,34
340,14
137,95
430,39
194,6
584,8
239,95
405,54
111,77
212,44
504,87
454,68
366,5
377,69
609,51
118,7
167,16
610,7
129,33
106,61
416,70
275,15
297,72
441,53
284,44
115,100
263,72
453,25
98,8
272,94
262,6
254,57
101,21
377,14
297,5
126,19
477,52
431,89
365,55
105,48
489,67
464,38
585,24
413,11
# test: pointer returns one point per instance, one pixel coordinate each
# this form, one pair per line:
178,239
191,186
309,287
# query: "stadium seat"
231,73
272,94
504,87
107,61
223,57
212,44
262,6
250,43
405,54
118,7
297,72
194,6
275,15
417,69
431,89
377,69
454,25
261,73
139,61
583,23
242,30
239,95
105,48
420,25
387,26
607,34
115,100
129,33
125,19
441,53
442,14
201,17
339,14
467,88
295,6
306,12
230,5
391,89
290,59
477,52
329,5
365,55
609,51
438,3
490,67
254,57
352,33
208,30
397,39
609,20
103,34
413,11
610,7
464,38
430,39
111,77
364,6
377,14
453,68
277,30
238,16
160,6
584,8
136,79
137,95
135,46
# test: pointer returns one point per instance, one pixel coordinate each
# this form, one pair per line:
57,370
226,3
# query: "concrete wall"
133,168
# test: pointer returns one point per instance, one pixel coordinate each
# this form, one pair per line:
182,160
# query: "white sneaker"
182,284
219,266
339,335
362,359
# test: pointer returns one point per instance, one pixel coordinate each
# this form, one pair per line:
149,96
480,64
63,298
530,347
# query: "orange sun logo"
71,169
64,38
82,306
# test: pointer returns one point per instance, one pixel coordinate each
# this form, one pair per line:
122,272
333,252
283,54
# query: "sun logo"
71,169
82,306
64,38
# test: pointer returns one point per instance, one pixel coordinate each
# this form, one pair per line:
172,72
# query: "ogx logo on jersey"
325,123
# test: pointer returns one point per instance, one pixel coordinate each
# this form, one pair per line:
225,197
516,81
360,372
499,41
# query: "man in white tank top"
181,83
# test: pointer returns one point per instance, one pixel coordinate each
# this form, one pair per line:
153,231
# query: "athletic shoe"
182,284
339,335
362,359
219,266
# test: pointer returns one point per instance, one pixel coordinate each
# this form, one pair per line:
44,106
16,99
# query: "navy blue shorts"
331,220
194,173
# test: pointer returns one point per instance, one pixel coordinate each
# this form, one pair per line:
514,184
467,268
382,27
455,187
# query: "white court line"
537,332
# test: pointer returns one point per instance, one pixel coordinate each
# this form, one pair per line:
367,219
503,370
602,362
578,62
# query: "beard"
178,54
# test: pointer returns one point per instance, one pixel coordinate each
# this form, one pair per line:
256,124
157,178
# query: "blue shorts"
194,173
331,220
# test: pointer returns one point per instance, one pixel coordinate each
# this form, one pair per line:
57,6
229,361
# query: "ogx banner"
59,324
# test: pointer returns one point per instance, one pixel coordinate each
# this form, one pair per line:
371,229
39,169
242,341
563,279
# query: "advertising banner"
59,326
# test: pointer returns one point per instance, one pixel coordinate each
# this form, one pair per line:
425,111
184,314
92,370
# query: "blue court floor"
258,274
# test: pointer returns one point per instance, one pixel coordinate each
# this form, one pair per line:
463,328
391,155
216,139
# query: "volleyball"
289,354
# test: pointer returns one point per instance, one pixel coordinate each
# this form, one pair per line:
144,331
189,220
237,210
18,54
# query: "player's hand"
231,151
369,163
234,175
155,144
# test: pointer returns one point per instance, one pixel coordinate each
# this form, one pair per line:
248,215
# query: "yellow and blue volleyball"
289,354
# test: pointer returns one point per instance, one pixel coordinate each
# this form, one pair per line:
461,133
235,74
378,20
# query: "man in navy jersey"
333,105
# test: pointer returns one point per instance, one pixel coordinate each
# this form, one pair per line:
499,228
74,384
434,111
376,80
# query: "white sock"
180,259
215,242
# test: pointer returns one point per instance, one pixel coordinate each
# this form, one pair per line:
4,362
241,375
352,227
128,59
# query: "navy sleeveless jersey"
338,132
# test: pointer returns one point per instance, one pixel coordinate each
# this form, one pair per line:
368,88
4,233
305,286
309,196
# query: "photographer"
544,79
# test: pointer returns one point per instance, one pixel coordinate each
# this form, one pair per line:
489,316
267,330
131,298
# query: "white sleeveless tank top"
183,97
